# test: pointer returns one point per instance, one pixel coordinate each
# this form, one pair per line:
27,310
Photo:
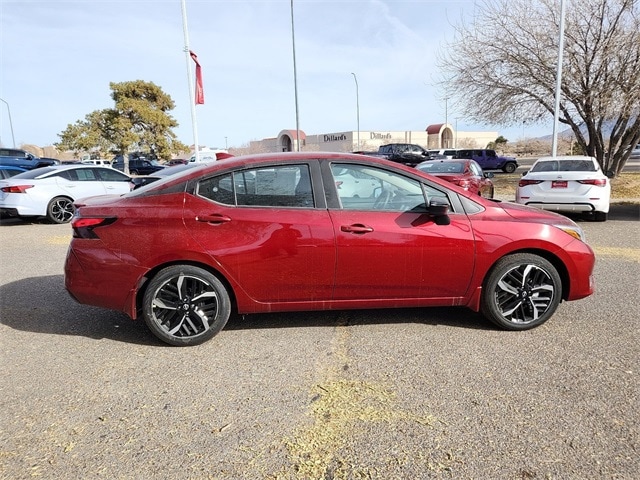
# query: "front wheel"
185,305
60,210
521,291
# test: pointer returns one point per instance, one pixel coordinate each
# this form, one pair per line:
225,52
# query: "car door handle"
356,228
215,219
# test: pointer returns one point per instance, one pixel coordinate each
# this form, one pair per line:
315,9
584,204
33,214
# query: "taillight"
524,183
84,227
16,188
598,182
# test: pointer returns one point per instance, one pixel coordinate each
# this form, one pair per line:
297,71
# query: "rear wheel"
60,210
185,305
509,167
521,291
600,216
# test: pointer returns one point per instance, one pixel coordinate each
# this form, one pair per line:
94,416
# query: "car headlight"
573,230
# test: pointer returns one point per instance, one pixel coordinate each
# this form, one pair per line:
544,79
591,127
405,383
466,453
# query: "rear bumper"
570,207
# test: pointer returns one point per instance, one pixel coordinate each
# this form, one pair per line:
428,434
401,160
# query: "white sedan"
51,191
566,184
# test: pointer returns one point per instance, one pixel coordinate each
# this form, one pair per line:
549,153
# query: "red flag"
199,89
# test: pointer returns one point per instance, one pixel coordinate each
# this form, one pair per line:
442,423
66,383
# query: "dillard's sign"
340,137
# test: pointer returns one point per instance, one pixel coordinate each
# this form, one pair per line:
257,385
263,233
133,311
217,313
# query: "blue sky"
58,57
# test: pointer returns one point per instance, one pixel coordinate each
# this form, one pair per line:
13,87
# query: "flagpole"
187,54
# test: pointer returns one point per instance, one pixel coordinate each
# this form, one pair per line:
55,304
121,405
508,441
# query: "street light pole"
357,106
10,122
556,110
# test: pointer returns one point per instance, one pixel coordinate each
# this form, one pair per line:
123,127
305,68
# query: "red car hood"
517,211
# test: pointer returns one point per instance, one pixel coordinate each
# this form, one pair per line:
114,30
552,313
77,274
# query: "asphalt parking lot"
418,393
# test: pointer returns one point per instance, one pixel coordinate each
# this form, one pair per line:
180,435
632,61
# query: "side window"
274,186
362,187
85,175
219,189
111,175
475,169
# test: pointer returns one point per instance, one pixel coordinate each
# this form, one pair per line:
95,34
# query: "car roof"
565,157
248,161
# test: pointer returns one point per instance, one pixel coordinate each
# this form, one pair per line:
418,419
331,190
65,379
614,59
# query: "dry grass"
625,186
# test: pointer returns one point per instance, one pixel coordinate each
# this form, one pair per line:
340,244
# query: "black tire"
509,167
600,216
185,305
60,210
521,291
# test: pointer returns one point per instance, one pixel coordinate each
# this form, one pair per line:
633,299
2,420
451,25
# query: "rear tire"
600,216
60,210
509,167
185,305
521,291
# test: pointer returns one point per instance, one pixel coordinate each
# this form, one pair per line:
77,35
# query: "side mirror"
488,175
439,210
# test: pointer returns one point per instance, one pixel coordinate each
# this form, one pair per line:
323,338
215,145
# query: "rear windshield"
443,167
564,166
36,172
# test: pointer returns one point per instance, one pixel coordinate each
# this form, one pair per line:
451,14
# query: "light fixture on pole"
357,107
10,122
295,79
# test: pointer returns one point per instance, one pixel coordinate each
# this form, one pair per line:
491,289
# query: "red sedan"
467,174
272,232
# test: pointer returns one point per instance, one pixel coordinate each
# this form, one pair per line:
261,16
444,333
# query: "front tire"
185,305
60,210
521,291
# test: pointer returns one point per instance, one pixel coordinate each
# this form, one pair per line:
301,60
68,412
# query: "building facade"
434,137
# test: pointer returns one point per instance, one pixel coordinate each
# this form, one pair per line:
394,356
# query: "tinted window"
111,175
443,167
564,166
274,186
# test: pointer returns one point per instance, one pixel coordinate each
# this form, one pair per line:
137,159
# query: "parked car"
488,159
142,180
7,172
51,191
406,153
635,153
566,184
353,182
97,161
268,233
466,174
177,161
12,157
137,165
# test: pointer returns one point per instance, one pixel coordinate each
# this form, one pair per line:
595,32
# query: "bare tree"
501,68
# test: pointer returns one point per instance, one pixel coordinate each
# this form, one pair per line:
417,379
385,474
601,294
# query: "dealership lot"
432,393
